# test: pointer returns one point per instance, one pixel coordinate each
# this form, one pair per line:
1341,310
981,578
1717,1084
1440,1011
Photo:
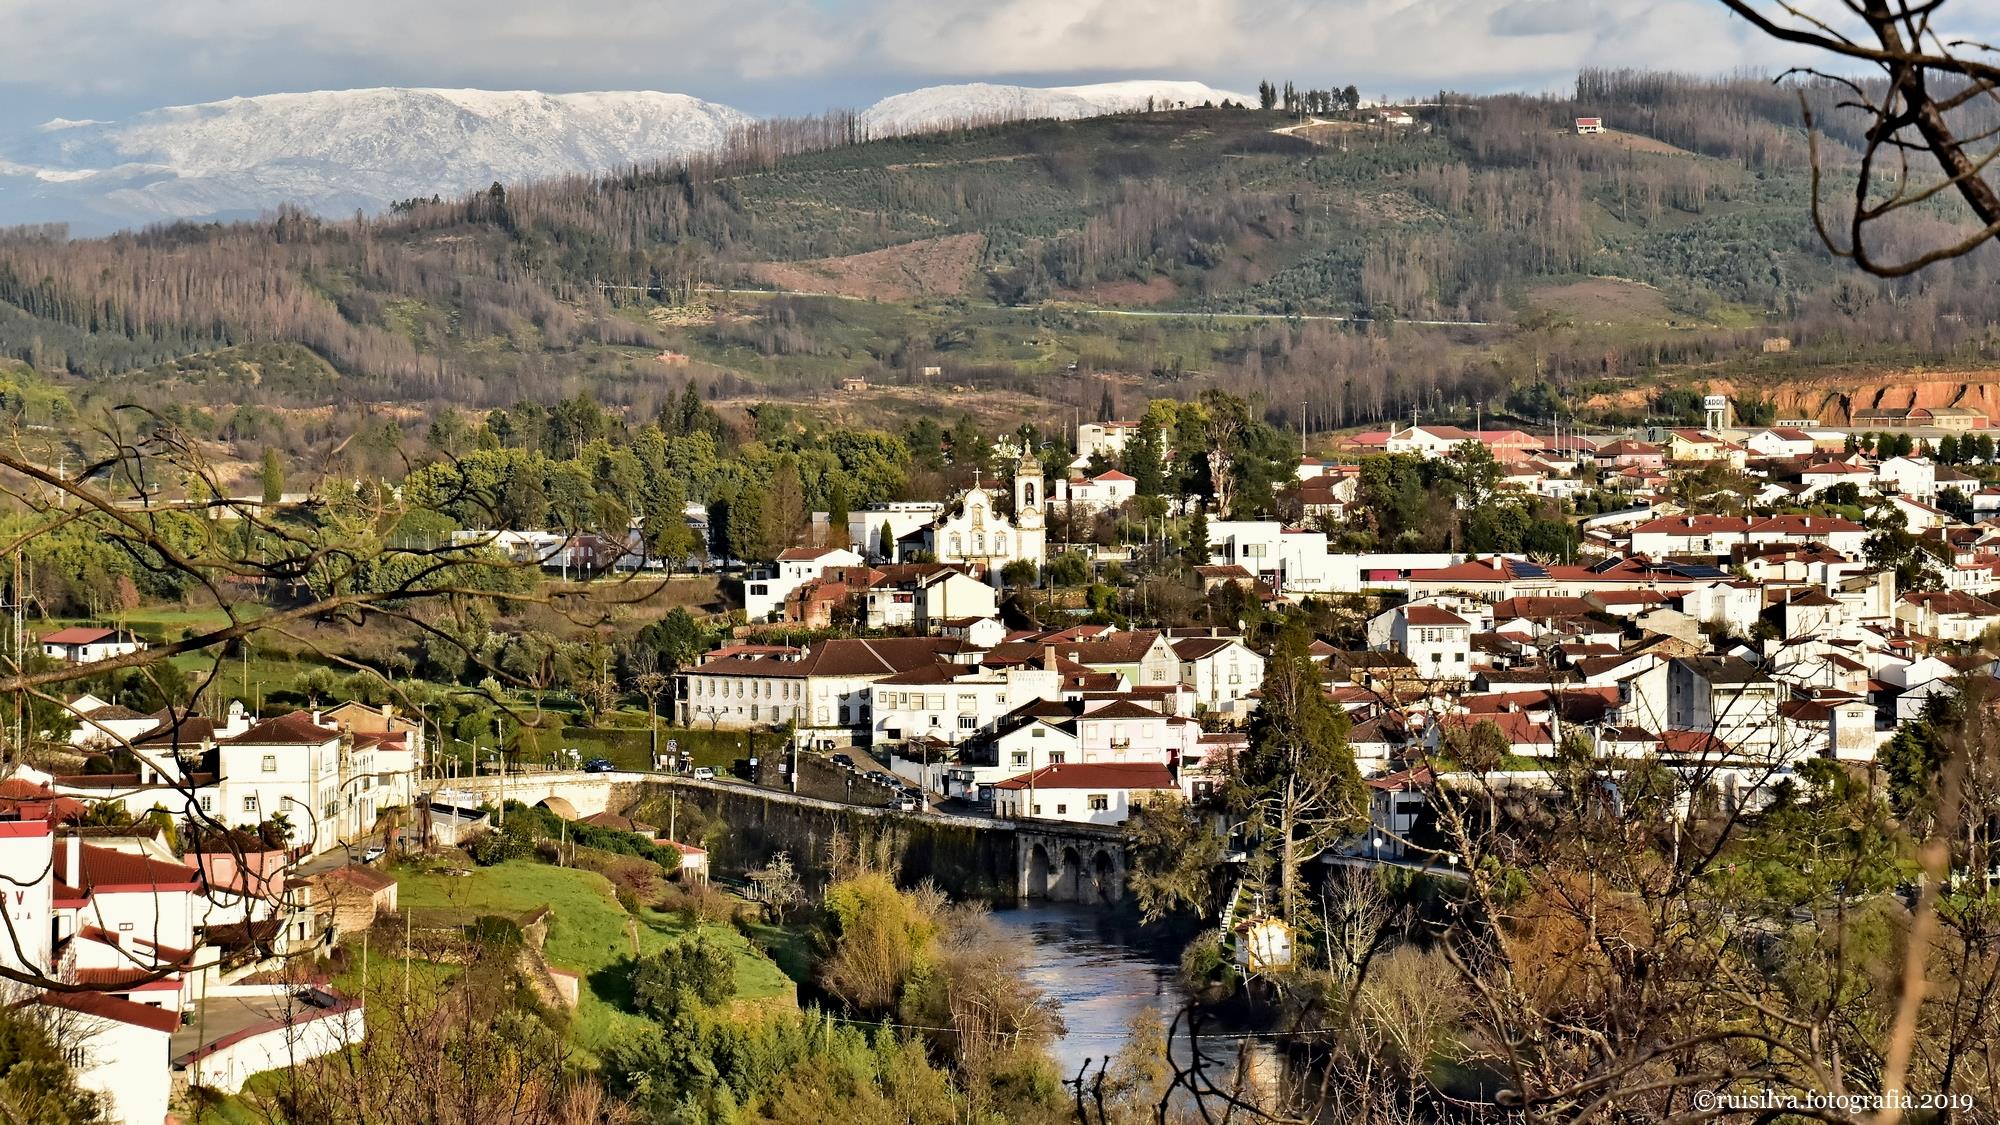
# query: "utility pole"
19,601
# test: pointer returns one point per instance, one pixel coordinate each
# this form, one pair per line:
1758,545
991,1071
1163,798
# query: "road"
1087,310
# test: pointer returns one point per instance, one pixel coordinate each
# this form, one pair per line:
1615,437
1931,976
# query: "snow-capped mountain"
335,151
935,106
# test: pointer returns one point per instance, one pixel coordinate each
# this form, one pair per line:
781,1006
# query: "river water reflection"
1100,973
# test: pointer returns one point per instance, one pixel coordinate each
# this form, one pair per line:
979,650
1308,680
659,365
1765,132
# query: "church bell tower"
1028,496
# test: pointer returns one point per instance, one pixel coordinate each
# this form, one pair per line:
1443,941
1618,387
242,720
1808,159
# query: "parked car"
880,778
907,801
844,761
703,773
374,853
598,765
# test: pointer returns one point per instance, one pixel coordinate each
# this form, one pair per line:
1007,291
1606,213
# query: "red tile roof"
294,729
78,635
1095,775
1431,615
112,1008
111,869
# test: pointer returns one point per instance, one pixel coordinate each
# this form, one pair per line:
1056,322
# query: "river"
1101,974
1104,971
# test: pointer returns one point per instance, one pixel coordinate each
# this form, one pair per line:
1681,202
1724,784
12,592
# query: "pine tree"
671,540
1297,785
785,515
837,515
272,476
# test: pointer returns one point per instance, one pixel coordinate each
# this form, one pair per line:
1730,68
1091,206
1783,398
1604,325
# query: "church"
972,530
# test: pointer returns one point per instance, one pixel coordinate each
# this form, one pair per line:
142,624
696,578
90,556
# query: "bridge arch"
559,806
1070,882
1037,882
1106,882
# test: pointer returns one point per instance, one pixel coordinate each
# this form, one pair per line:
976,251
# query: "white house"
1222,672
1729,699
1123,732
1103,439
1781,441
765,591
952,703
1437,640
99,723
1946,615
1107,490
1095,793
84,644
876,529
822,689
119,1049
1914,477
1291,560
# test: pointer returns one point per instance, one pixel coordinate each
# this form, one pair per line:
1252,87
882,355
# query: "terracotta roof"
1804,525
1123,709
112,1008
1095,775
841,656
294,729
1692,525
1431,615
109,868
365,878
1692,742
78,635
1951,602
1195,648
1541,608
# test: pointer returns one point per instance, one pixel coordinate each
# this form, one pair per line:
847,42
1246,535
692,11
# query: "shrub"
687,975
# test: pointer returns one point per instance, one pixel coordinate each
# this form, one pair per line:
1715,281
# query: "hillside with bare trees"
1490,212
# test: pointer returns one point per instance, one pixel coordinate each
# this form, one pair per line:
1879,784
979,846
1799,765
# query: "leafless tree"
1929,132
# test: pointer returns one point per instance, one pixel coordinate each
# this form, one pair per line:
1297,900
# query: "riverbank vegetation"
1593,935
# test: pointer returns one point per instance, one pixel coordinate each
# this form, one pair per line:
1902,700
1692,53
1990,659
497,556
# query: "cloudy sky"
107,58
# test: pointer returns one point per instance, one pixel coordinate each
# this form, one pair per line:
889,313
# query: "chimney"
315,716
1049,657
73,858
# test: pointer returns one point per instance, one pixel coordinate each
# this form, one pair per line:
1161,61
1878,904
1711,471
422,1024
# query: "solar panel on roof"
1530,570
1603,565
1696,570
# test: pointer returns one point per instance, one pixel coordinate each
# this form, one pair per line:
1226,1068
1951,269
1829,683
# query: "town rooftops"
1950,603
803,554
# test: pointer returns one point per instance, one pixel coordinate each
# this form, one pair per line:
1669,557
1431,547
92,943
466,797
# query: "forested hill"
1486,209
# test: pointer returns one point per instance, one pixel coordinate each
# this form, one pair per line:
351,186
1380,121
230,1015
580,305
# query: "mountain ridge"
337,151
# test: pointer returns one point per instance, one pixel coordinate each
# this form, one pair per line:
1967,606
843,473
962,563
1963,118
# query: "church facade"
972,529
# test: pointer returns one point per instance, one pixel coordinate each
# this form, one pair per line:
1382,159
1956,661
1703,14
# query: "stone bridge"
1069,862
1082,863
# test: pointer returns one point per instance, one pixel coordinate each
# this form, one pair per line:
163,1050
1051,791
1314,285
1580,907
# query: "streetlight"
1375,853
